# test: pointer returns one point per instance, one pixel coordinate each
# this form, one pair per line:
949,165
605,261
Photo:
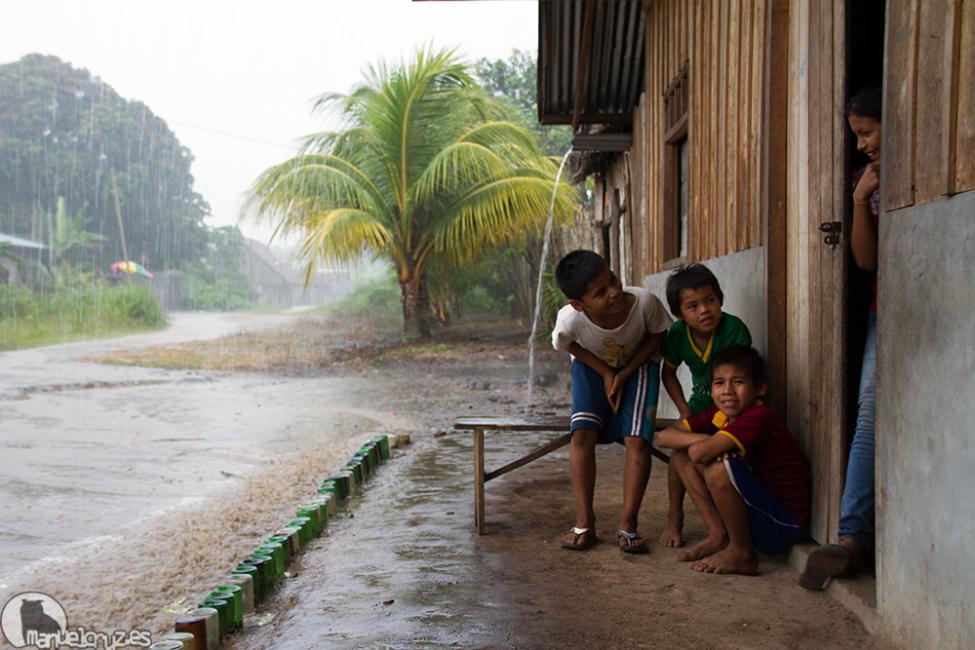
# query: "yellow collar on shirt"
720,420
707,351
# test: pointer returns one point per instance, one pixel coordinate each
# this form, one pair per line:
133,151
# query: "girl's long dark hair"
866,103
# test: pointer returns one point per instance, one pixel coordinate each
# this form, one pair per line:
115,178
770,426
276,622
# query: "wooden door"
815,283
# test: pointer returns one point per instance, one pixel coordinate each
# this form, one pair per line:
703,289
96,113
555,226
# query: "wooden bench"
488,423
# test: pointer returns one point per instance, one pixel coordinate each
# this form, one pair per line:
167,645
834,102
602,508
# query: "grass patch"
313,345
375,297
318,344
416,352
32,318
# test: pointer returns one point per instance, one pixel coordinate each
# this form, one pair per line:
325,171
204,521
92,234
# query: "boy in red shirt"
742,468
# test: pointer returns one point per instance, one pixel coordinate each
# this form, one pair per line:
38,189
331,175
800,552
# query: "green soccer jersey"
681,348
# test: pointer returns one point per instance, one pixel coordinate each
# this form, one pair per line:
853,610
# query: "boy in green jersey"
694,296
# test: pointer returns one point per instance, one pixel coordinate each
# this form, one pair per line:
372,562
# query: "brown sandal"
823,564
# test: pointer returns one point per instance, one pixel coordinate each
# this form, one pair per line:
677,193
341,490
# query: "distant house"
280,286
15,253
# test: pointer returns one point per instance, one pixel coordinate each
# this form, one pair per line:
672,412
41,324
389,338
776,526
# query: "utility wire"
228,134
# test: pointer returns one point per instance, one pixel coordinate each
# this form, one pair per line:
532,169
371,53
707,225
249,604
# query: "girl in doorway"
857,507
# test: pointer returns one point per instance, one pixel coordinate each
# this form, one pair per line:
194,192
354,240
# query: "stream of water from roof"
541,273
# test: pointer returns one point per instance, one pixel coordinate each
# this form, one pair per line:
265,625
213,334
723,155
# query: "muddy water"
88,449
105,470
128,492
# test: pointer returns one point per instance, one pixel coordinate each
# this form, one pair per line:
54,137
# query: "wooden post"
614,235
479,480
775,132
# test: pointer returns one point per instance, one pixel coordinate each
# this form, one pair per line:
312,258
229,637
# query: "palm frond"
341,235
498,212
313,183
459,165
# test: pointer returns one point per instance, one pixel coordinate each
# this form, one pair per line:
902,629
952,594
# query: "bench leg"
479,480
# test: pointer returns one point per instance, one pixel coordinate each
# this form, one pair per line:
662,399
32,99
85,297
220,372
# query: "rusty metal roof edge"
616,63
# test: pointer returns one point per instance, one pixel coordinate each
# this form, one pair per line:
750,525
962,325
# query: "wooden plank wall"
929,101
636,208
724,45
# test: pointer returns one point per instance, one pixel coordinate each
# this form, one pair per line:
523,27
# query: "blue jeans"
857,506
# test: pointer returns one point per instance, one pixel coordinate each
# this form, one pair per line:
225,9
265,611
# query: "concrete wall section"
925,415
742,278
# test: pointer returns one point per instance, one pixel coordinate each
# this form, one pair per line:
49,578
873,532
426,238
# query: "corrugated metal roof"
590,60
19,242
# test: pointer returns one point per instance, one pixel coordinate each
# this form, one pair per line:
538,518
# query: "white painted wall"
742,279
926,424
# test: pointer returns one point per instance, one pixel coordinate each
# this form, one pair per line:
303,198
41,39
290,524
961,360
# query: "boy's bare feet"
671,537
728,561
707,546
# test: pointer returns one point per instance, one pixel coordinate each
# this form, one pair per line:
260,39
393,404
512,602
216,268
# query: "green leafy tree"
66,133
69,235
6,254
429,169
214,282
68,241
515,81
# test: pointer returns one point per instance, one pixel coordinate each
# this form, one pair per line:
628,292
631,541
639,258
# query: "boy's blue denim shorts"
638,409
773,527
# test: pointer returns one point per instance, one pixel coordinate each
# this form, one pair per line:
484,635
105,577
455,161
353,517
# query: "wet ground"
81,442
128,492
107,470
408,571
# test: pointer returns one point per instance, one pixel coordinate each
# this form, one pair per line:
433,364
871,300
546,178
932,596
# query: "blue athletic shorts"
774,529
591,409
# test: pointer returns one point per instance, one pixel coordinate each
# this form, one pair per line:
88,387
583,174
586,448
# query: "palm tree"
428,168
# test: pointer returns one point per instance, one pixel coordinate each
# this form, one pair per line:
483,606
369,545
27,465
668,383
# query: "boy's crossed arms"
745,472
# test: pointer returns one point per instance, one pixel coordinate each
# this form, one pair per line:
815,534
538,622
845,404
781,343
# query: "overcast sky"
234,78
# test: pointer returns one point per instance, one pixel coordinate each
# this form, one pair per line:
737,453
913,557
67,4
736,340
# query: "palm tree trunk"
416,307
